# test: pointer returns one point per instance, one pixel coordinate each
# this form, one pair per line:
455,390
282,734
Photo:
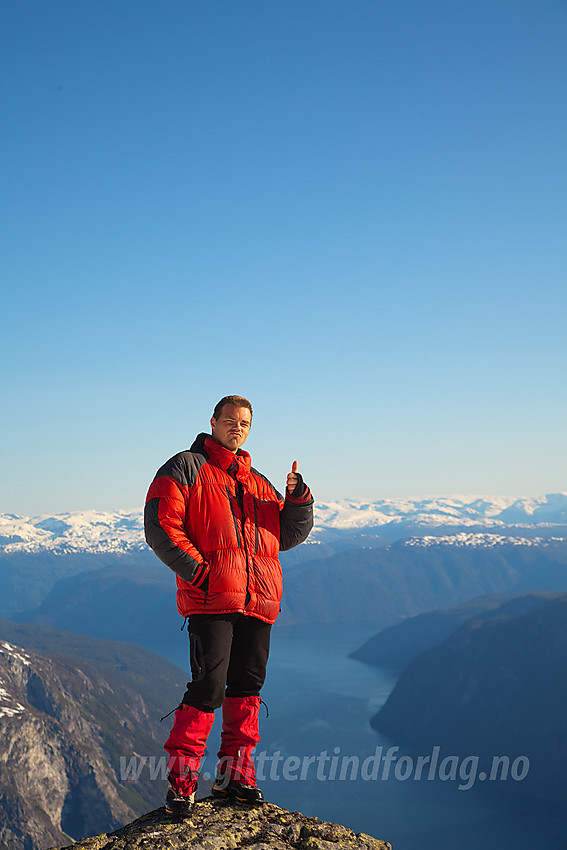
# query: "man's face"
232,426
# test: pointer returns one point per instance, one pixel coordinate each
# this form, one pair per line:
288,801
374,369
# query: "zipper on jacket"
238,540
240,500
255,526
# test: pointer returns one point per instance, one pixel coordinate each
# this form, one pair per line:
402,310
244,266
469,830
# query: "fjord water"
320,703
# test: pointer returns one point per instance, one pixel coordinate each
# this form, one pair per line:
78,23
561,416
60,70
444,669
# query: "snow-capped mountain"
77,531
484,511
481,519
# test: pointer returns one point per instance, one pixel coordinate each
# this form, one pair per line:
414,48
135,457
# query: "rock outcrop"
219,825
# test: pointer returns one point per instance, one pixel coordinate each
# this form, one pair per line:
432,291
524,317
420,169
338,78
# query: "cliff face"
218,825
65,724
495,687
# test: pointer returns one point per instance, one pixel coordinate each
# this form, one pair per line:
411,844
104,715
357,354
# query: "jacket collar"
223,457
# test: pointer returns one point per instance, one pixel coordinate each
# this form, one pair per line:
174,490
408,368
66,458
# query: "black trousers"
229,654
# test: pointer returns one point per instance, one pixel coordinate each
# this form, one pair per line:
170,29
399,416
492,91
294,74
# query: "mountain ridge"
134,601
493,687
122,531
399,644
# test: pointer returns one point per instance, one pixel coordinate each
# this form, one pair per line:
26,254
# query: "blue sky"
354,213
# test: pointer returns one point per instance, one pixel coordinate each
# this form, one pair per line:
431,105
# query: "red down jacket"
220,525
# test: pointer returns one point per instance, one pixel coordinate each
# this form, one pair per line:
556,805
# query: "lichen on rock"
221,825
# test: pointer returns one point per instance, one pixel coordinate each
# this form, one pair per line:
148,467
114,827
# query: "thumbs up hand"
292,478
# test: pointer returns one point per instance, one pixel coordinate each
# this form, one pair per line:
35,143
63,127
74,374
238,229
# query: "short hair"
236,400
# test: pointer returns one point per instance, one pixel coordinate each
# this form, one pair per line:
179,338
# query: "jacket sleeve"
164,524
296,516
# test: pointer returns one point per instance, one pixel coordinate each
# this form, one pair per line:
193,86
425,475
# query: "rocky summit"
221,825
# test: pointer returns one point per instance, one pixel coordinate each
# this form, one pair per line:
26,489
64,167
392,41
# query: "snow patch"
485,541
14,652
8,705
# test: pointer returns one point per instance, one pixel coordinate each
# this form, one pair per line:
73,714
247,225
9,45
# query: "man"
219,525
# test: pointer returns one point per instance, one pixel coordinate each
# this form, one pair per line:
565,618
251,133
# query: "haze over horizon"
352,214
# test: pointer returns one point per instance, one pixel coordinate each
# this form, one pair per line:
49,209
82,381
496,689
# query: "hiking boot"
178,806
239,791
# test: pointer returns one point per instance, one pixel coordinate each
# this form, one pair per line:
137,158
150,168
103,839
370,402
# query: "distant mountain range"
106,532
93,572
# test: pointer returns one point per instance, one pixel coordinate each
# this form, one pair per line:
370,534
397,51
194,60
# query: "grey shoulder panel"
183,467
